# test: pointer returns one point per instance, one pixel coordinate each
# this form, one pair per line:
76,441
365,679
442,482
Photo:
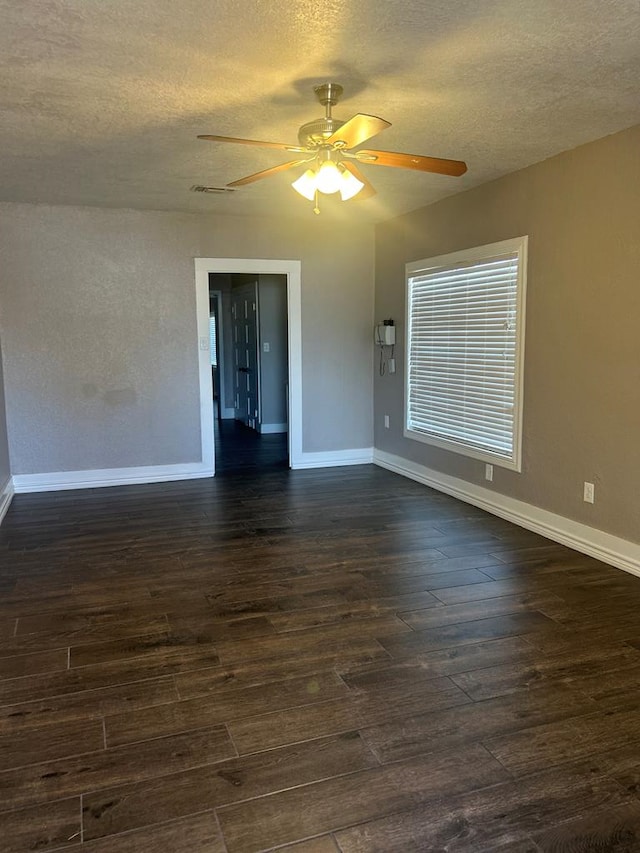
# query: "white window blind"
464,351
212,340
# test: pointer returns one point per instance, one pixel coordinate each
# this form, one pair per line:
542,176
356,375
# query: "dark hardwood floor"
313,662
241,450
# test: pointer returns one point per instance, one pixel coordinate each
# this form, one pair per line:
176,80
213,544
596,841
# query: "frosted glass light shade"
349,185
306,184
329,178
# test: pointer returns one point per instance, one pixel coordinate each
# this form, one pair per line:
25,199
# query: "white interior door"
244,313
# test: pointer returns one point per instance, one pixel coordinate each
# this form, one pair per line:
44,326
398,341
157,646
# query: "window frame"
519,246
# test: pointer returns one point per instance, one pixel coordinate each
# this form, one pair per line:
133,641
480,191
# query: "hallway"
241,450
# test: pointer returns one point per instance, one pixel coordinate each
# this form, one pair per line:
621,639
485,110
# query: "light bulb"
329,178
349,185
306,184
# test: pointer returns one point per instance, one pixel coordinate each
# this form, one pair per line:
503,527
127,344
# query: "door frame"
293,271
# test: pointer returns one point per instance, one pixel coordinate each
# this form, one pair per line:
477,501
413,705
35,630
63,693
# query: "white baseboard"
332,458
93,479
6,494
271,428
618,552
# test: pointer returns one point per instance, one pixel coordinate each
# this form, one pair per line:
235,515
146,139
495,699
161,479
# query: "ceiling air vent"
197,188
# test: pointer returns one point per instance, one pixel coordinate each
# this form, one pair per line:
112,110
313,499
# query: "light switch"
266,347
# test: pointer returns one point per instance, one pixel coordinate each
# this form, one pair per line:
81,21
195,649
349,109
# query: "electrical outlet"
386,421
589,493
488,473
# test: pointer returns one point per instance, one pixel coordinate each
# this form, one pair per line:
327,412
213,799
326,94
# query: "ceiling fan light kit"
330,144
329,178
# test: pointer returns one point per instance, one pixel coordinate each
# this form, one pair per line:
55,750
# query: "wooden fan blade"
357,130
281,146
266,173
412,161
367,190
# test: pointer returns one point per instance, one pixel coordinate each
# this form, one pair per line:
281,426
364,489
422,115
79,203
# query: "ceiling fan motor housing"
314,133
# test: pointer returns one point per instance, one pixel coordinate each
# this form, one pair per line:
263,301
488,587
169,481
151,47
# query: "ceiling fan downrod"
328,94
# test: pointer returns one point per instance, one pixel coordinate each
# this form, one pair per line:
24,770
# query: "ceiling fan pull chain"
316,208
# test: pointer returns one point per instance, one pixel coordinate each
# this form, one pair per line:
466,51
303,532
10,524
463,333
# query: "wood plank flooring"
309,662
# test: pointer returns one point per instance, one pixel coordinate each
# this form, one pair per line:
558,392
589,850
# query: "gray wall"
581,211
272,300
99,331
5,468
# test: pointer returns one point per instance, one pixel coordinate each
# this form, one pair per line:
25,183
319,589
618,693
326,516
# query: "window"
212,340
465,327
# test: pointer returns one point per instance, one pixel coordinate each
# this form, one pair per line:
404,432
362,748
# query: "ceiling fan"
328,144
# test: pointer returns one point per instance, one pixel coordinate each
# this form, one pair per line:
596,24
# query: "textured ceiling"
101,100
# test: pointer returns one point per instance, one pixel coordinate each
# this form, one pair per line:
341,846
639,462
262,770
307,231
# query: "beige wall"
581,211
98,326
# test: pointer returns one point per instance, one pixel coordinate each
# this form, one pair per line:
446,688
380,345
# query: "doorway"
252,432
246,268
